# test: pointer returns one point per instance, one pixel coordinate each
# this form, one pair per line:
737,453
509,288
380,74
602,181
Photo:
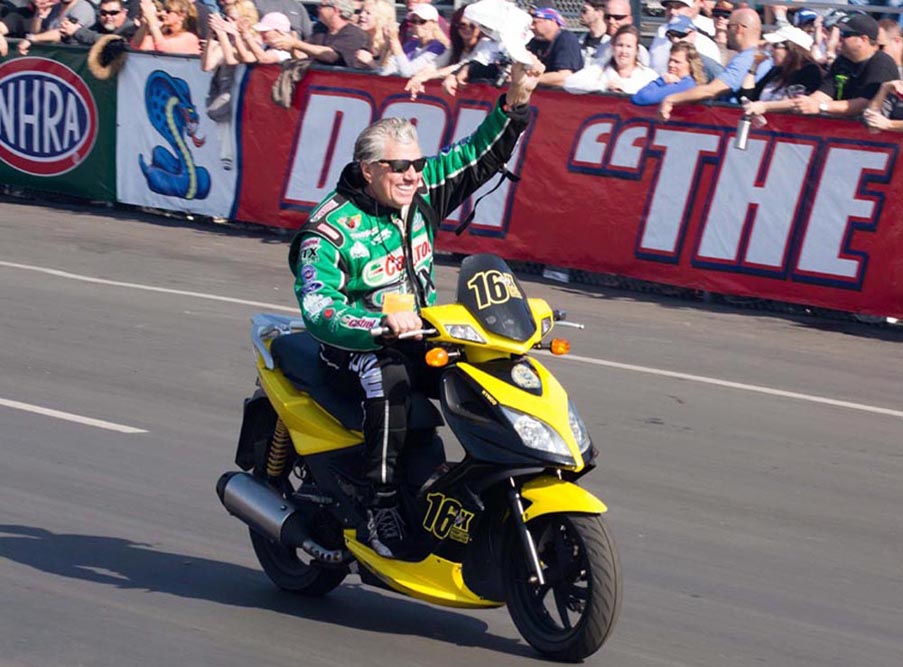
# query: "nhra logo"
48,118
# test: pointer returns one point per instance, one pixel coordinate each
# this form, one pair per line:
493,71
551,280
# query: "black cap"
859,24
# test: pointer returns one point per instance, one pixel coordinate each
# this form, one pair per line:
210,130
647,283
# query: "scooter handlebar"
377,332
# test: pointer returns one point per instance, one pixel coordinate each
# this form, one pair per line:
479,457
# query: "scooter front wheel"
571,615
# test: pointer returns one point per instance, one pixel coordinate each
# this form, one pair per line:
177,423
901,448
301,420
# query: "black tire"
571,616
293,570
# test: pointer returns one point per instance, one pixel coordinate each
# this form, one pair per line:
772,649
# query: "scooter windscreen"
489,291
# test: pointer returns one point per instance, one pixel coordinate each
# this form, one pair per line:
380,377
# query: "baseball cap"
688,3
804,16
425,11
859,24
790,34
274,21
680,24
550,14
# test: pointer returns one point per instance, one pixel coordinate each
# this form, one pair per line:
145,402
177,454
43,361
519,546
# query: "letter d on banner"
325,143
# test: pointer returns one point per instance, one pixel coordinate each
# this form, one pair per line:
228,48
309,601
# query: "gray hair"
371,144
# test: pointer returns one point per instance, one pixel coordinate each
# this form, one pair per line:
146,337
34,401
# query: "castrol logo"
48,117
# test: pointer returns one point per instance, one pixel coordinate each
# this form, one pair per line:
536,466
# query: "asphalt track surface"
758,523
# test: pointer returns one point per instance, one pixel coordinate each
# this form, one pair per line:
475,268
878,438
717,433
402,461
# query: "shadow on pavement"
132,565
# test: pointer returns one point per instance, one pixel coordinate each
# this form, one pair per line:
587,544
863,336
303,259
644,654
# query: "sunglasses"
779,45
110,12
401,166
615,17
721,14
673,34
466,26
416,20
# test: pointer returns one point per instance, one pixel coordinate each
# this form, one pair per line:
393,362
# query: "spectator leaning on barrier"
296,12
624,73
885,111
745,31
404,30
112,19
684,72
175,32
73,12
592,17
617,14
682,29
427,47
854,77
660,49
335,40
556,47
794,71
271,28
890,40
377,20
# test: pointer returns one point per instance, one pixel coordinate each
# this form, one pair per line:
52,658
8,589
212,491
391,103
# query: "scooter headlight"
578,428
464,332
536,434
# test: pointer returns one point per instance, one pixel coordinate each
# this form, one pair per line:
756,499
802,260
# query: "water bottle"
742,132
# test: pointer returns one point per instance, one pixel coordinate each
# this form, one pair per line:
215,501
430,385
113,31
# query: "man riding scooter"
365,259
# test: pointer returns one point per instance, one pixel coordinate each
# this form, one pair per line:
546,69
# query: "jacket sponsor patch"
326,208
359,251
334,235
314,304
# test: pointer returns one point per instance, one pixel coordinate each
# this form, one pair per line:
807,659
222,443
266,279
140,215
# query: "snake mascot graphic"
171,112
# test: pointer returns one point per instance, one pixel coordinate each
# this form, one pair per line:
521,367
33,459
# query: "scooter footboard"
548,495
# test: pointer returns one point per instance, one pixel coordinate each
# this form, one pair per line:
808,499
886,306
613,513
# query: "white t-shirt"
596,79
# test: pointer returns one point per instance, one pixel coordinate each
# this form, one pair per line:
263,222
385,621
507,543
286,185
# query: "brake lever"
377,332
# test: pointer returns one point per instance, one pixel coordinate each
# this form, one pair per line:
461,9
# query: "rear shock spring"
277,454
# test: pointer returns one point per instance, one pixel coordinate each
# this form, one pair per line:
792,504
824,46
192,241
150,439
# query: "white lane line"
148,288
733,385
589,360
68,416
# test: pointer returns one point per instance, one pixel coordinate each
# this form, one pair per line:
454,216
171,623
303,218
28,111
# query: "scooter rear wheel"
570,616
286,568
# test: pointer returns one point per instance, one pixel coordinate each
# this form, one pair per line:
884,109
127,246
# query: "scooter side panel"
433,579
312,429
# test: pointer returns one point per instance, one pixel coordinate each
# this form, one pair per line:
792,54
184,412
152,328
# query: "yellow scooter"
506,525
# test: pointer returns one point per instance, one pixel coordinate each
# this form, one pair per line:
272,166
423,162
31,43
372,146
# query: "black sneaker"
385,529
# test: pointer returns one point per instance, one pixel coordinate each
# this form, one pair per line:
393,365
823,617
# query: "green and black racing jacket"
352,252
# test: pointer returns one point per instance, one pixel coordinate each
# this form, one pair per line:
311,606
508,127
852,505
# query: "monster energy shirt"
847,80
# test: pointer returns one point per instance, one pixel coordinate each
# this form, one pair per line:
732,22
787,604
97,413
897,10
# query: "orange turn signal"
437,357
559,346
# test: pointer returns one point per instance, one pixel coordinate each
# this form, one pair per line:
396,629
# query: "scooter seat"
297,355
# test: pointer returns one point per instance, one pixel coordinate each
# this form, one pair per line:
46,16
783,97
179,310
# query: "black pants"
385,378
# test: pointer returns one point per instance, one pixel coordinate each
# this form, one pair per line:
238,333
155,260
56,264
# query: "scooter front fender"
550,495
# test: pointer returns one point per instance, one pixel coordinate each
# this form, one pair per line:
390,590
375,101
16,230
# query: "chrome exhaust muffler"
265,511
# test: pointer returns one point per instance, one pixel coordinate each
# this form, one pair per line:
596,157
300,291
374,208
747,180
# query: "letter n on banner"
324,144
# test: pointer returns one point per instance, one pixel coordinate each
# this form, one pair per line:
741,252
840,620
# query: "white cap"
505,23
790,34
425,11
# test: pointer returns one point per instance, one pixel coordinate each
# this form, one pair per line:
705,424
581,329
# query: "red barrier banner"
811,212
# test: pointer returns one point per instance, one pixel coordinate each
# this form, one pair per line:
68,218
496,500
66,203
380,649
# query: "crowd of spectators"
841,62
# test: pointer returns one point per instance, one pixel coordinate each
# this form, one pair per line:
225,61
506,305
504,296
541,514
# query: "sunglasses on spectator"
721,14
779,45
674,34
615,17
110,12
844,35
466,26
401,166
416,20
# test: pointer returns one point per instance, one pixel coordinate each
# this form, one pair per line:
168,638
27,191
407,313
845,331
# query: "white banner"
170,154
